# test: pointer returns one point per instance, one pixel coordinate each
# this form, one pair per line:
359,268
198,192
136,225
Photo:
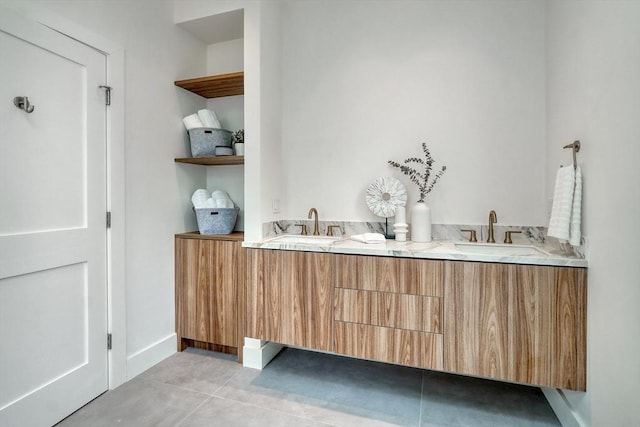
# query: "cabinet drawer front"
388,309
387,274
400,346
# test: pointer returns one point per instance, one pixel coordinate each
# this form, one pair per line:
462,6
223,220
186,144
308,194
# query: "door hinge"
107,90
108,219
108,341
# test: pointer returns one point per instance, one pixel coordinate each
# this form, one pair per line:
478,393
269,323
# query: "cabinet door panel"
566,320
190,276
206,290
223,292
277,297
476,317
531,301
581,328
320,275
516,322
290,298
547,305
255,288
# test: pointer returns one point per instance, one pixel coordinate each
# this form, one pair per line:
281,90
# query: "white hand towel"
576,211
566,210
208,119
192,121
368,238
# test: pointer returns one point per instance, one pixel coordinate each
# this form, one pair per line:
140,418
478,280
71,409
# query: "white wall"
369,81
593,94
271,71
157,190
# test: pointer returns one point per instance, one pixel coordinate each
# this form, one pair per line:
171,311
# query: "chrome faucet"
314,211
492,220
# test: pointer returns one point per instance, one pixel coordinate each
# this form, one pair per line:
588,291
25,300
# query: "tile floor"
303,388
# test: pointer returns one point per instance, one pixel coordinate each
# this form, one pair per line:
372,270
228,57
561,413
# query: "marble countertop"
436,249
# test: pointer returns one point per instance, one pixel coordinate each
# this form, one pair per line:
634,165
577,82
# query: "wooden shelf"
236,236
212,161
215,86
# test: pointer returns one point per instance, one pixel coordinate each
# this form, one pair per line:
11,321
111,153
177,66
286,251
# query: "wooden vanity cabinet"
389,309
209,272
511,322
290,297
519,323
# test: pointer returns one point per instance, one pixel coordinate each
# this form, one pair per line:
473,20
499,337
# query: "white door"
53,293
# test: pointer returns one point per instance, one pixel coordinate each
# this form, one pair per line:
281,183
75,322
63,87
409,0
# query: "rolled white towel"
192,121
199,198
221,199
368,238
208,119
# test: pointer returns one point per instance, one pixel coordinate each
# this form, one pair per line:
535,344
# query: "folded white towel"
368,238
566,210
208,119
192,121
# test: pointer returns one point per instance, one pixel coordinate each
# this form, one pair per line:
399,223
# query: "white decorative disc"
384,195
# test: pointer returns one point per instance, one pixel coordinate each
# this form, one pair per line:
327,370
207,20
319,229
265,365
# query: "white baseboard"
257,354
563,410
142,360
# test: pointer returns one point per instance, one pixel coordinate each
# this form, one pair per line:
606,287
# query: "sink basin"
498,249
305,240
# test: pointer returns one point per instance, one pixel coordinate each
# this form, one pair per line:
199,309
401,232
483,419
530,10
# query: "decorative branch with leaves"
421,179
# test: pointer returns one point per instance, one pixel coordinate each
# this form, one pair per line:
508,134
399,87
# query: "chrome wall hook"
22,102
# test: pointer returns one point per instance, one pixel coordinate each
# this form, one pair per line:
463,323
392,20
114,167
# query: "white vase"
239,147
420,222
